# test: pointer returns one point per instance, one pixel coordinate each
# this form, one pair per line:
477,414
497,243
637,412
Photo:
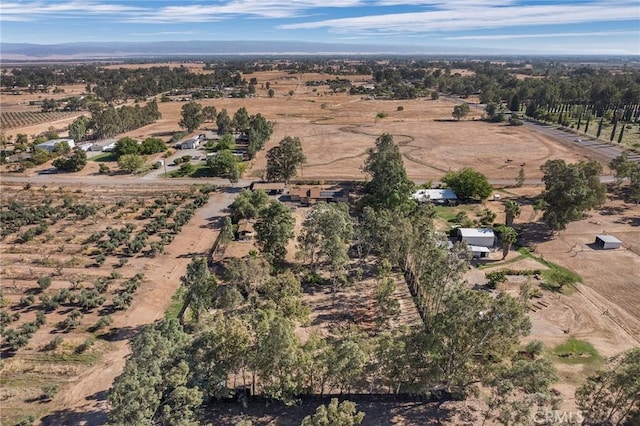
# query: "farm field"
337,129
72,317
13,119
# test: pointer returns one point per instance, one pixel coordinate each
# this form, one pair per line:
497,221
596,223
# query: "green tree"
152,146
209,113
387,303
519,388
260,130
126,146
149,376
570,190
248,204
511,211
74,163
274,229
62,148
223,121
460,111
275,360
285,292
344,413
241,120
626,168
219,351
78,129
130,162
224,164
521,178
468,183
200,287
21,139
226,232
284,159
270,93
326,231
612,396
507,236
389,186
192,116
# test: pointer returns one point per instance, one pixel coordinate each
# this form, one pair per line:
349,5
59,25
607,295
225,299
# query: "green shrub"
49,392
53,344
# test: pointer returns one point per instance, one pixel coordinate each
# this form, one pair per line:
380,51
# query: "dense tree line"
122,83
110,121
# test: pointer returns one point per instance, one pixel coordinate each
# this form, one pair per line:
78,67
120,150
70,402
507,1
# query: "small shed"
607,242
482,237
245,230
479,252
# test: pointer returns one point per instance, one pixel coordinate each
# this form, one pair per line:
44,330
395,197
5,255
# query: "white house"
436,196
53,143
482,237
607,242
192,143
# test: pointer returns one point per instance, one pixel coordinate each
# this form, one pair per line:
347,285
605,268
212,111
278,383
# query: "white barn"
53,143
482,237
607,242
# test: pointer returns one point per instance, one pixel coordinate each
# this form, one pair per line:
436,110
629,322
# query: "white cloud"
33,10
175,12
162,33
480,17
542,35
275,9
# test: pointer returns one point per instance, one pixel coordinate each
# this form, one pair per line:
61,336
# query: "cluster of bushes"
124,297
17,338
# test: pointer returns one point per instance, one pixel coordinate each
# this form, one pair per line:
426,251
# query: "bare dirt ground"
604,309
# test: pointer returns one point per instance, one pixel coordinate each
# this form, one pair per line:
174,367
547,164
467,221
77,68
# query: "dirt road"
84,400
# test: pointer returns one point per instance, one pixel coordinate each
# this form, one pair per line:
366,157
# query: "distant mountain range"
119,49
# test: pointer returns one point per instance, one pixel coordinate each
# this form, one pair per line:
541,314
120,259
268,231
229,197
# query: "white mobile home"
192,143
436,196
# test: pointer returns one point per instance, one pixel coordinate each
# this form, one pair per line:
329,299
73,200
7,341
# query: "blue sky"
512,26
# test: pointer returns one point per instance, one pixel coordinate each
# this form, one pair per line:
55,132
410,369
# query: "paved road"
596,149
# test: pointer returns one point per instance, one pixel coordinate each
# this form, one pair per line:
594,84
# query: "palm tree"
508,236
511,210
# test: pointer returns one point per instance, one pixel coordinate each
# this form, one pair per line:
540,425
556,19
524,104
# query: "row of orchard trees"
582,117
